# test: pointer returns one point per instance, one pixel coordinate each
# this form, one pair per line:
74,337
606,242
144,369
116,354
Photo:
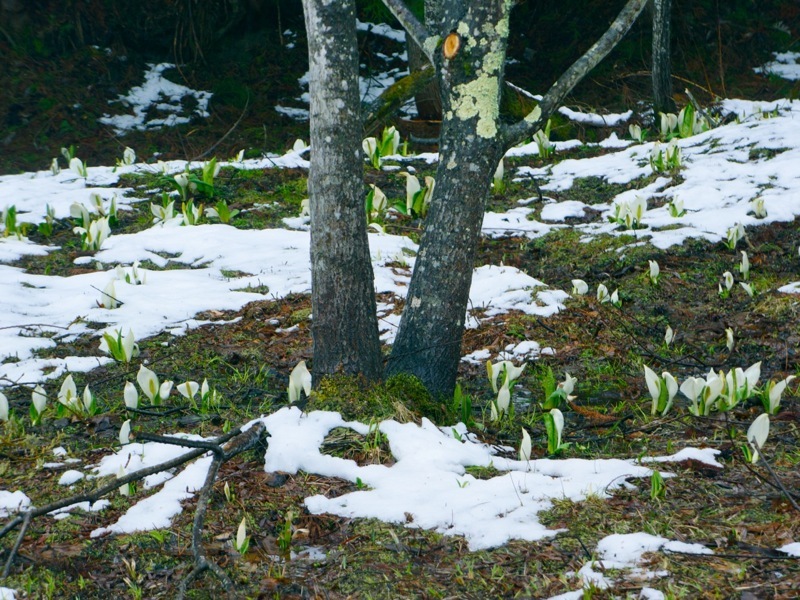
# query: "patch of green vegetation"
402,397
597,190
299,316
483,472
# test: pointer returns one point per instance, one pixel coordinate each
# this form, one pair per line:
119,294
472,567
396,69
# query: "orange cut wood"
451,45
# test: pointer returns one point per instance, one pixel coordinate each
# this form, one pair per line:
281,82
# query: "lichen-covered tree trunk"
344,322
662,64
428,342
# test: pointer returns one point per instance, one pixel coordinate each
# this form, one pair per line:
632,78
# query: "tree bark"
427,101
344,321
662,65
428,341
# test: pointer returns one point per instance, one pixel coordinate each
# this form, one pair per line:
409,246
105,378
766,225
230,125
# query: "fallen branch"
239,442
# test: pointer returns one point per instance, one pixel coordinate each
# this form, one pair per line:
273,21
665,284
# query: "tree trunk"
428,341
344,321
427,101
662,65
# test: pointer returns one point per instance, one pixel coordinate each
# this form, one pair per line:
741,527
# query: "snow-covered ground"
720,188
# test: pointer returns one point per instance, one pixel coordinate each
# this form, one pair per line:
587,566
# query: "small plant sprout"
669,335
554,425
757,435
704,393
209,172
724,288
182,182
771,395
93,236
525,446
80,213
662,390
108,297
68,394
669,123
637,133
376,149
543,143
614,299
757,208
744,266
77,166
655,272
417,197
4,411
188,389
579,287
125,489
657,487
125,433
46,227
191,213
665,158
556,394
222,211
747,288
500,405
629,213
299,380
121,349
148,381
128,156
134,276
602,294
226,490
305,207
38,404
730,342
131,396
242,541
8,218
739,385
163,213
55,169
497,179
298,147
376,203
734,234
506,368
675,208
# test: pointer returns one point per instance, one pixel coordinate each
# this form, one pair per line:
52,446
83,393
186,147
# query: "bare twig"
517,132
248,440
414,28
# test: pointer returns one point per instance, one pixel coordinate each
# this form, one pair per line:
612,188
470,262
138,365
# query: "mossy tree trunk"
344,322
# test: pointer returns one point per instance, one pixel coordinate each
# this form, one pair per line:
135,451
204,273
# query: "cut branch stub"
451,45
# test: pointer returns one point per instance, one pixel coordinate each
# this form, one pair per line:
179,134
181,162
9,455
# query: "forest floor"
743,513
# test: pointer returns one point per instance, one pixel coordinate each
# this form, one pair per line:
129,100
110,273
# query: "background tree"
662,63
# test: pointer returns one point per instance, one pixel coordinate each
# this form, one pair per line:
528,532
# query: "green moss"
402,397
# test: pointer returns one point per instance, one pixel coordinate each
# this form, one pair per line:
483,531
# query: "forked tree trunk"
344,322
662,64
428,342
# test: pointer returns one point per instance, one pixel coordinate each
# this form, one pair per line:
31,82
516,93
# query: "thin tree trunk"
344,321
662,65
427,101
